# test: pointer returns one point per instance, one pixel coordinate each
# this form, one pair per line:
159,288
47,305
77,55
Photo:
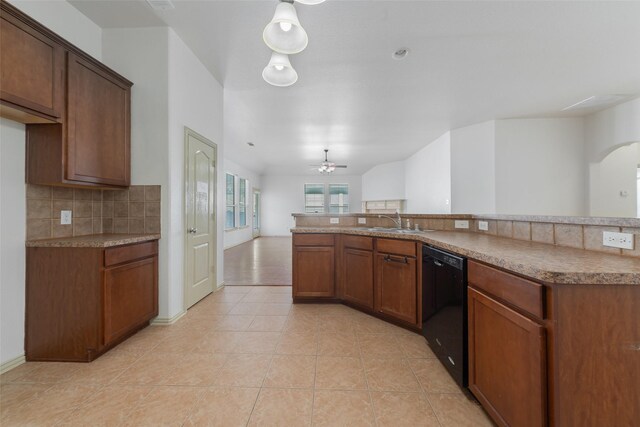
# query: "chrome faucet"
397,220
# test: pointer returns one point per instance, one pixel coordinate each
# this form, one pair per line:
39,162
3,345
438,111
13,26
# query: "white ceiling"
469,62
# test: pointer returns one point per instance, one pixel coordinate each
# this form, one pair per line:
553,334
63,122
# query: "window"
338,198
314,198
242,202
230,217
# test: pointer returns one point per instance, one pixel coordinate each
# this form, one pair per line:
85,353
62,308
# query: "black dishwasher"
444,310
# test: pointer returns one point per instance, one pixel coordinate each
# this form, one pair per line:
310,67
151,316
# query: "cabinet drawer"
313,239
358,242
524,294
400,247
120,254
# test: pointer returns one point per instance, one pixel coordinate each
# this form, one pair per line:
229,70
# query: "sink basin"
394,230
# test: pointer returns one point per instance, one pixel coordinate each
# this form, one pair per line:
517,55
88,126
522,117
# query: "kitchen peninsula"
535,311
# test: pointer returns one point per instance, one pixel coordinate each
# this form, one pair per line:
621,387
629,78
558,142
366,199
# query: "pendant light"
279,71
284,34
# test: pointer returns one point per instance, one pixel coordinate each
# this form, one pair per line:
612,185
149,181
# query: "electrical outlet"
334,220
65,217
462,224
483,225
362,220
617,240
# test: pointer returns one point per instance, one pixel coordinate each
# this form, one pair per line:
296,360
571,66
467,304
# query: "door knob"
193,230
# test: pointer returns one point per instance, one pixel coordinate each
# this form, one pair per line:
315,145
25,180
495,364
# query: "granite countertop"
539,261
92,241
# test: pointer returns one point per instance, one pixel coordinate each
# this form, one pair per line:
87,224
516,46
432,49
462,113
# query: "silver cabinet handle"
193,230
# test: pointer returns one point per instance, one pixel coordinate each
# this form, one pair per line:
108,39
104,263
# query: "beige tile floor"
247,356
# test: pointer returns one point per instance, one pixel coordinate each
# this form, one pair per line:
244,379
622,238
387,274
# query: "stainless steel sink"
394,230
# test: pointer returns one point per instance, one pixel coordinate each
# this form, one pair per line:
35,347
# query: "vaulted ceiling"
468,62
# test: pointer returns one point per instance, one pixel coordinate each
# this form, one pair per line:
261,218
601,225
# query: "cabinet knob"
193,230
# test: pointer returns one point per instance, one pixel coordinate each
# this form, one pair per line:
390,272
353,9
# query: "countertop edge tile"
92,241
539,261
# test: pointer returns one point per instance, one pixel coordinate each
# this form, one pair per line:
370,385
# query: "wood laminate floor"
265,261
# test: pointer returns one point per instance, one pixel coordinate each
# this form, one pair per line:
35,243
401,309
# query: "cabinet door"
506,363
98,127
31,71
358,277
396,286
130,297
313,271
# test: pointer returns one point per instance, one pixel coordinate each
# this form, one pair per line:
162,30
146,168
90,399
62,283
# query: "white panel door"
200,267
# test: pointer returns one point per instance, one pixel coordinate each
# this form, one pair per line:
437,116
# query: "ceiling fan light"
279,71
284,34
310,2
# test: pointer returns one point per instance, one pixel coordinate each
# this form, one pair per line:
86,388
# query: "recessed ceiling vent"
400,53
161,4
596,102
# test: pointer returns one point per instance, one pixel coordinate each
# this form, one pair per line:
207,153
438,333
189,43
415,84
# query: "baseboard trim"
166,321
13,363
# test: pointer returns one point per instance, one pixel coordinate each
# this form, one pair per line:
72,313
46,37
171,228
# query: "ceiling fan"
327,166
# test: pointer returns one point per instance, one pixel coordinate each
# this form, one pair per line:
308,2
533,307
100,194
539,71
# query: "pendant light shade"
284,34
310,1
279,72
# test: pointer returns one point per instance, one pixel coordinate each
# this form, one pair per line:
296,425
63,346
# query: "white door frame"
253,212
189,132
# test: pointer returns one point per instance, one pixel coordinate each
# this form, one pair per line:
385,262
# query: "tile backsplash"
132,211
573,232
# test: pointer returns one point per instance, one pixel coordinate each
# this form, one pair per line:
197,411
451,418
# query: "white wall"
64,19
12,236
172,89
241,235
615,173
142,56
384,182
428,178
195,101
473,180
611,128
283,195
540,167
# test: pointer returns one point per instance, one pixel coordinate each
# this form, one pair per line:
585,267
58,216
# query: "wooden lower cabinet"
397,287
130,297
82,301
507,362
313,271
358,277
352,269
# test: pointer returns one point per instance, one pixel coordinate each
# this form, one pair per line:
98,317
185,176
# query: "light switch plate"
362,220
483,225
617,240
334,220
462,224
65,217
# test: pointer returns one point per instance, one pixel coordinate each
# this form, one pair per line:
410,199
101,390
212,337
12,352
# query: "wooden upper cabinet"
77,110
358,277
98,129
31,72
397,287
507,362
